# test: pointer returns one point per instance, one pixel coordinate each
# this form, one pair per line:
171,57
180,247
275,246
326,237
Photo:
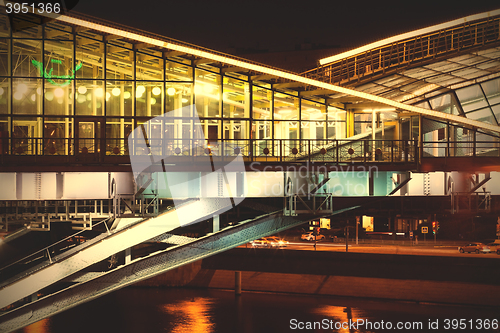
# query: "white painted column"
374,124
215,223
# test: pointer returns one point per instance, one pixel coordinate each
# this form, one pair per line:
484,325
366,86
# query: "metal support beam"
147,267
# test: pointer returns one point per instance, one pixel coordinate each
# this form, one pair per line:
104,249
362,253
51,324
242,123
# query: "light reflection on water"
178,310
191,316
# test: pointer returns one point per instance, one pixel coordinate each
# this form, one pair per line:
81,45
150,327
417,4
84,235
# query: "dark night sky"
280,25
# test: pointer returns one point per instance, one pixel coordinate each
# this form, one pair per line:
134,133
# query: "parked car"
494,247
275,241
260,243
474,247
309,236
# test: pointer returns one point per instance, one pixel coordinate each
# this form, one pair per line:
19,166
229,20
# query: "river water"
181,310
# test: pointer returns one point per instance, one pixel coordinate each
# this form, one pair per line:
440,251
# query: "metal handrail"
409,50
51,245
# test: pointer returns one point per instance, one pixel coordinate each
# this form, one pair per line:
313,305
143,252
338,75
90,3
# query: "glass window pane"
262,99
285,106
119,98
286,129
4,135
26,26
236,129
336,123
441,103
149,99
89,98
56,132
27,58
27,96
25,133
178,95
58,63
178,72
313,130
89,53
496,111
492,91
261,130
120,63
4,57
207,92
471,98
4,96
484,115
54,30
58,99
236,98
4,26
312,111
117,132
149,67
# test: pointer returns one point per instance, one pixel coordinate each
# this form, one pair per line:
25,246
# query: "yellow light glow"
82,90
39,91
126,95
33,97
89,97
49,95
81,98
156,91
140,90
184,100
171,91
58,92
1,91
18,95
153,101
208,88
116,91
22,88
108,95
198,89
99,92
59,101
138,95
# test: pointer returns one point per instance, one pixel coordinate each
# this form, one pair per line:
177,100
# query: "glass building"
72,90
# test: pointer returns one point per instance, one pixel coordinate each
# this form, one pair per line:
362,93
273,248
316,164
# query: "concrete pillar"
215,223
237,283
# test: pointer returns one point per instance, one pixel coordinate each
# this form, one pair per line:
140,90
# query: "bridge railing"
461,149
265,150
381,59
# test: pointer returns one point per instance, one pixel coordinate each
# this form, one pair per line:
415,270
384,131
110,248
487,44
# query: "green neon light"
67,78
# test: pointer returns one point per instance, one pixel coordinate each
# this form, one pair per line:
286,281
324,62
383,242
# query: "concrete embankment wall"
456,280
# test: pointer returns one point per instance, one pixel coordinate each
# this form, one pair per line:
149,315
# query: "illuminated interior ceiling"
280,79
418,65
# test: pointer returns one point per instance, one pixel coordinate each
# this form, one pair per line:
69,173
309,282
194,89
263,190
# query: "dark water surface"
133,310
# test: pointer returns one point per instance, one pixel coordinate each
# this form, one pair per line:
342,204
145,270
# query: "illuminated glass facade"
67,91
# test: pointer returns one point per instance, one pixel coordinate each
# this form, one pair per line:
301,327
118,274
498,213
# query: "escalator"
90,285
136,231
